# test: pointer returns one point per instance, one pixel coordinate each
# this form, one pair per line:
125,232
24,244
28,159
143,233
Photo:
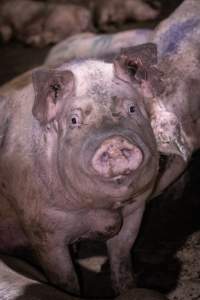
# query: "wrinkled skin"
81,153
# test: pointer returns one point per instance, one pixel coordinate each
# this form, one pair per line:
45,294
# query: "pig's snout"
116,156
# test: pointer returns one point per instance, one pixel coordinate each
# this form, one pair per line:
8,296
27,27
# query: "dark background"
16,58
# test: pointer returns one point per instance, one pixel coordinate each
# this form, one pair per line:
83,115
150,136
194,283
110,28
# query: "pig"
69,152
48,23
81,146
189,283
90,45
177,107
112,14
43,23
19,281
60,22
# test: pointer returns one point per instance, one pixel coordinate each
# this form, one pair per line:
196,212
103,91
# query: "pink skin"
116,156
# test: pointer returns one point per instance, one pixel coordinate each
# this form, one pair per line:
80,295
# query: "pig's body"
43,23
66,204
78,154
178,57
177,40
90,45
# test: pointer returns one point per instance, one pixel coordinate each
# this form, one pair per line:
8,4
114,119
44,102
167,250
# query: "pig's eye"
75,119
131,109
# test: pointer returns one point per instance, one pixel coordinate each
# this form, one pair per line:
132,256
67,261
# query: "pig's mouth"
116,158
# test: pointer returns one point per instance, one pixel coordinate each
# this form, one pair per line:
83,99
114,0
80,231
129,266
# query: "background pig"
115,12
45,167
48,22
90,45
177,106
43,23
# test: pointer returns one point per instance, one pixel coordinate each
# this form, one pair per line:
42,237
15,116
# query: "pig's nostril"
117,157
126,153
104,157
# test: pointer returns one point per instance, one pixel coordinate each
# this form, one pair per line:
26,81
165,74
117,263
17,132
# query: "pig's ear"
138,65
52,88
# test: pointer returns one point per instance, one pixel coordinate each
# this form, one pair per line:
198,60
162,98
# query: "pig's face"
106,148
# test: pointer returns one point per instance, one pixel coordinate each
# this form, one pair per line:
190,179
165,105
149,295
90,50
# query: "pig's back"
178,42
178,32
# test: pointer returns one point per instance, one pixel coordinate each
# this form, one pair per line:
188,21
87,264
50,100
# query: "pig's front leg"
48,237
55,230
119,248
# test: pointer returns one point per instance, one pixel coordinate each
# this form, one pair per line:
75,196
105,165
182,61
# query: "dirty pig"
78,159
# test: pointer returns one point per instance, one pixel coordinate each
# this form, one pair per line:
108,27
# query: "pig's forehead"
92,78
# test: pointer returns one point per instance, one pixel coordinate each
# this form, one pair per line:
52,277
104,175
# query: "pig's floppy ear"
52,88
138,65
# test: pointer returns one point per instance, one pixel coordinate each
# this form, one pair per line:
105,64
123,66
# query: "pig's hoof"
123,285
69,284
124,280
